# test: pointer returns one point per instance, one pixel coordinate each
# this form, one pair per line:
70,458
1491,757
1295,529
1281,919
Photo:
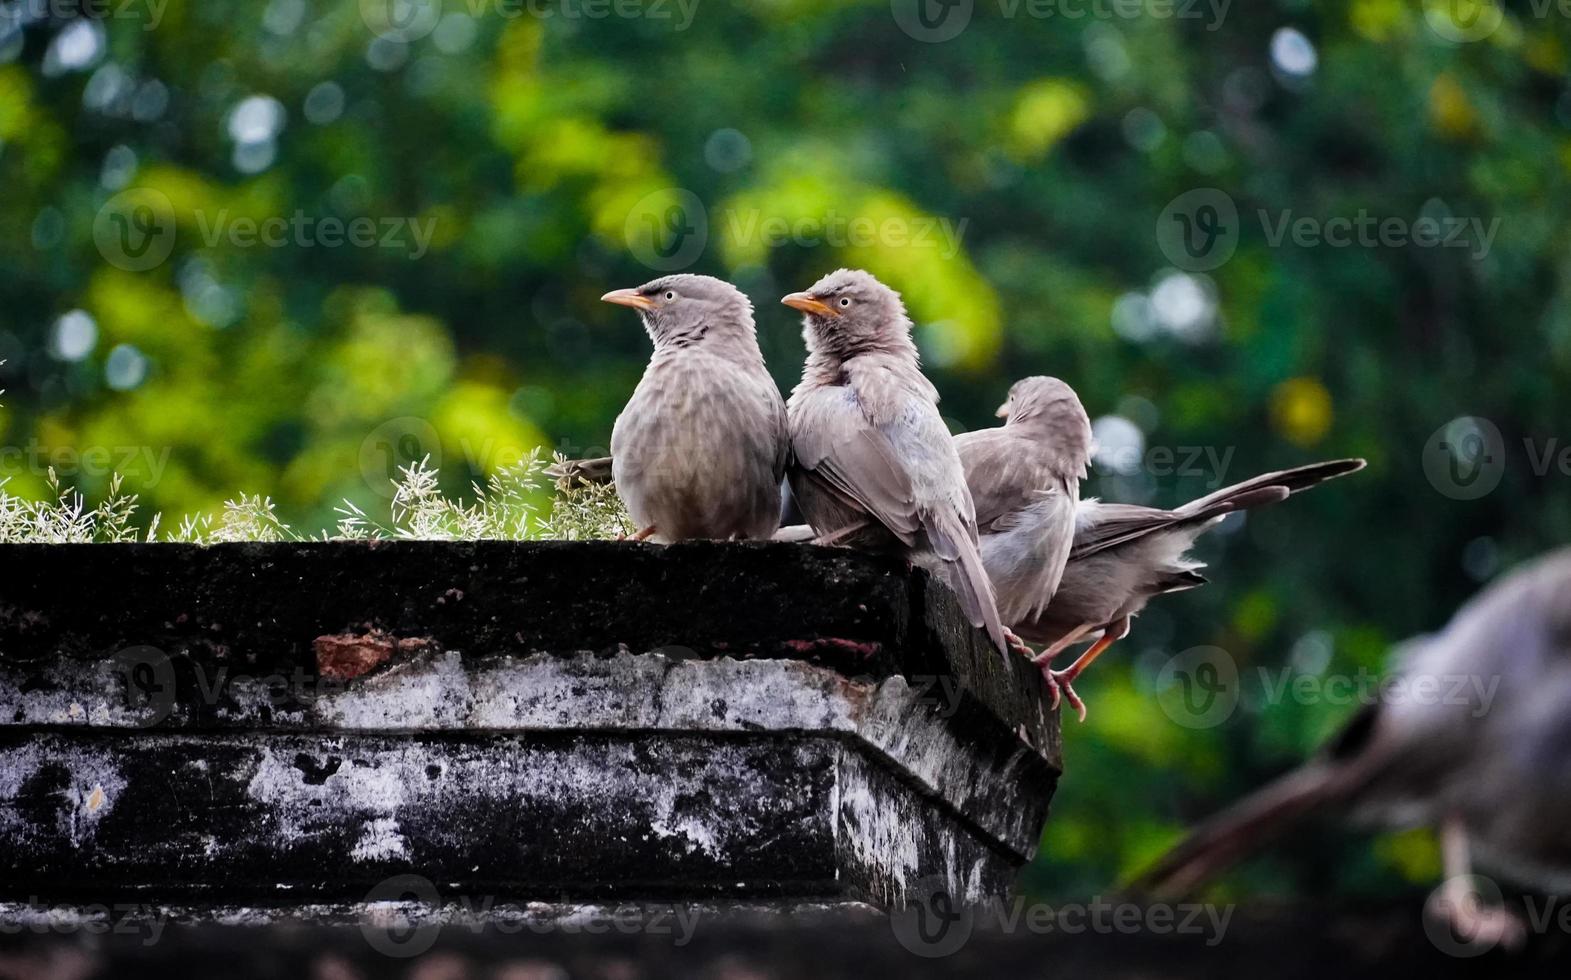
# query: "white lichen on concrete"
93,785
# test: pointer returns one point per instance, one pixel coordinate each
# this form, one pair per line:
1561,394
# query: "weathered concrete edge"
1002,787
219,608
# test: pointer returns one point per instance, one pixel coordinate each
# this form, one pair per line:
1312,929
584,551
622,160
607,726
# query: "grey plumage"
1480,747
701,446
872,461
1024,477
1124,555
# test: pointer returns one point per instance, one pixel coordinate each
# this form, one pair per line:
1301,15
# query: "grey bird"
700,448
1474,739
872,462
1125,555
1024,478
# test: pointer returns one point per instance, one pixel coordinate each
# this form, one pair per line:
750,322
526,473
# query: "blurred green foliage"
543,155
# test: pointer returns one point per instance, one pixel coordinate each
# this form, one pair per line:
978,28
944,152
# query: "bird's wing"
1025,553
1102,526
1004,473
837,446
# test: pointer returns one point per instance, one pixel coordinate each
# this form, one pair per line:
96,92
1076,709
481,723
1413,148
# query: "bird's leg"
1064,679
640,536
834,537
1063,643
1459,903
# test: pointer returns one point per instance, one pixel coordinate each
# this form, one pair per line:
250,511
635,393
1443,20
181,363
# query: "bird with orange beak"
700,449
872,461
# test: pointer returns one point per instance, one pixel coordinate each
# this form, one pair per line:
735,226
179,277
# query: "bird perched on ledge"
872,461
701,446
1124,555
1024,477
1487,761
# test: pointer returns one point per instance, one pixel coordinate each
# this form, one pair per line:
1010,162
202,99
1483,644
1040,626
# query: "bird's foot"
1060,684
640,535
835,537
1019,645
1476,922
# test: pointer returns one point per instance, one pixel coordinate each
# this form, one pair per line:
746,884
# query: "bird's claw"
1061,688
1018,645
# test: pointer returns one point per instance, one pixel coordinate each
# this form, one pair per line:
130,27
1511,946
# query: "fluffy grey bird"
872,461
700,448
1475,740
1024,478
1124,555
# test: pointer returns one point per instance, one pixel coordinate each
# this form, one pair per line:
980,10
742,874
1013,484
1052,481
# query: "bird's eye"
670,295
845,301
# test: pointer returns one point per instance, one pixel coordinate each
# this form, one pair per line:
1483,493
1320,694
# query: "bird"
569,472
1124,555
872,462
1486,761
1024,477
700,448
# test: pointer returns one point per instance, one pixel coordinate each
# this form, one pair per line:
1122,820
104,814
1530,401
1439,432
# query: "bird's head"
849,312
1039,395
1050,405
684,309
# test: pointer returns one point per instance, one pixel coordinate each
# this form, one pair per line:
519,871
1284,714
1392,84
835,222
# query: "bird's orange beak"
807,303
1003,411
629,297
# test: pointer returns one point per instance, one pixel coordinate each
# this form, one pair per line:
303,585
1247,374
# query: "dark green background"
532,142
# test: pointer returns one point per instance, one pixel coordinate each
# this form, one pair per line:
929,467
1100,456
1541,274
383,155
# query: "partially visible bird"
567,472
872,462
1024,477
1476,741
700,448
1124,555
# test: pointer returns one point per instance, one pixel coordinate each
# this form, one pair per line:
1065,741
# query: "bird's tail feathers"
1289,481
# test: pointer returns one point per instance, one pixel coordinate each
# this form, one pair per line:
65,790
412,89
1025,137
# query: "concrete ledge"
258,724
